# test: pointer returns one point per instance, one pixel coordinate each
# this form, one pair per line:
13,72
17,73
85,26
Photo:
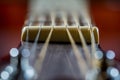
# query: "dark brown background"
105,13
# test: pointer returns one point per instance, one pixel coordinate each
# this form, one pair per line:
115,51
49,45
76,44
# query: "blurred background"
105,14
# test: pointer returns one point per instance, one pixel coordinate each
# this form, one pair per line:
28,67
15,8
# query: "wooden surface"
59,63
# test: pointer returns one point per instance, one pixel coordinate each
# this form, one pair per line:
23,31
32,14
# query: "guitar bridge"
61,23
59,33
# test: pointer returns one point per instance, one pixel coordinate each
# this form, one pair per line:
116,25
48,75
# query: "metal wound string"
93,46
42,54
81,62
77,53
27,34
33,49
85,48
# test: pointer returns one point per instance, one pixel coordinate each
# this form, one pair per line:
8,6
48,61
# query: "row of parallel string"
80,60
42,54
77,53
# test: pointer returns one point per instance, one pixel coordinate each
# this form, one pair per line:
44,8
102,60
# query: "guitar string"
29,22
67,30
70,36
77,53
93,46
42,54
53,16
85,48
33,49
27,35
81,62
67,57
93,49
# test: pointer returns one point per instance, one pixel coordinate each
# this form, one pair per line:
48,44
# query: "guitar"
60,45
